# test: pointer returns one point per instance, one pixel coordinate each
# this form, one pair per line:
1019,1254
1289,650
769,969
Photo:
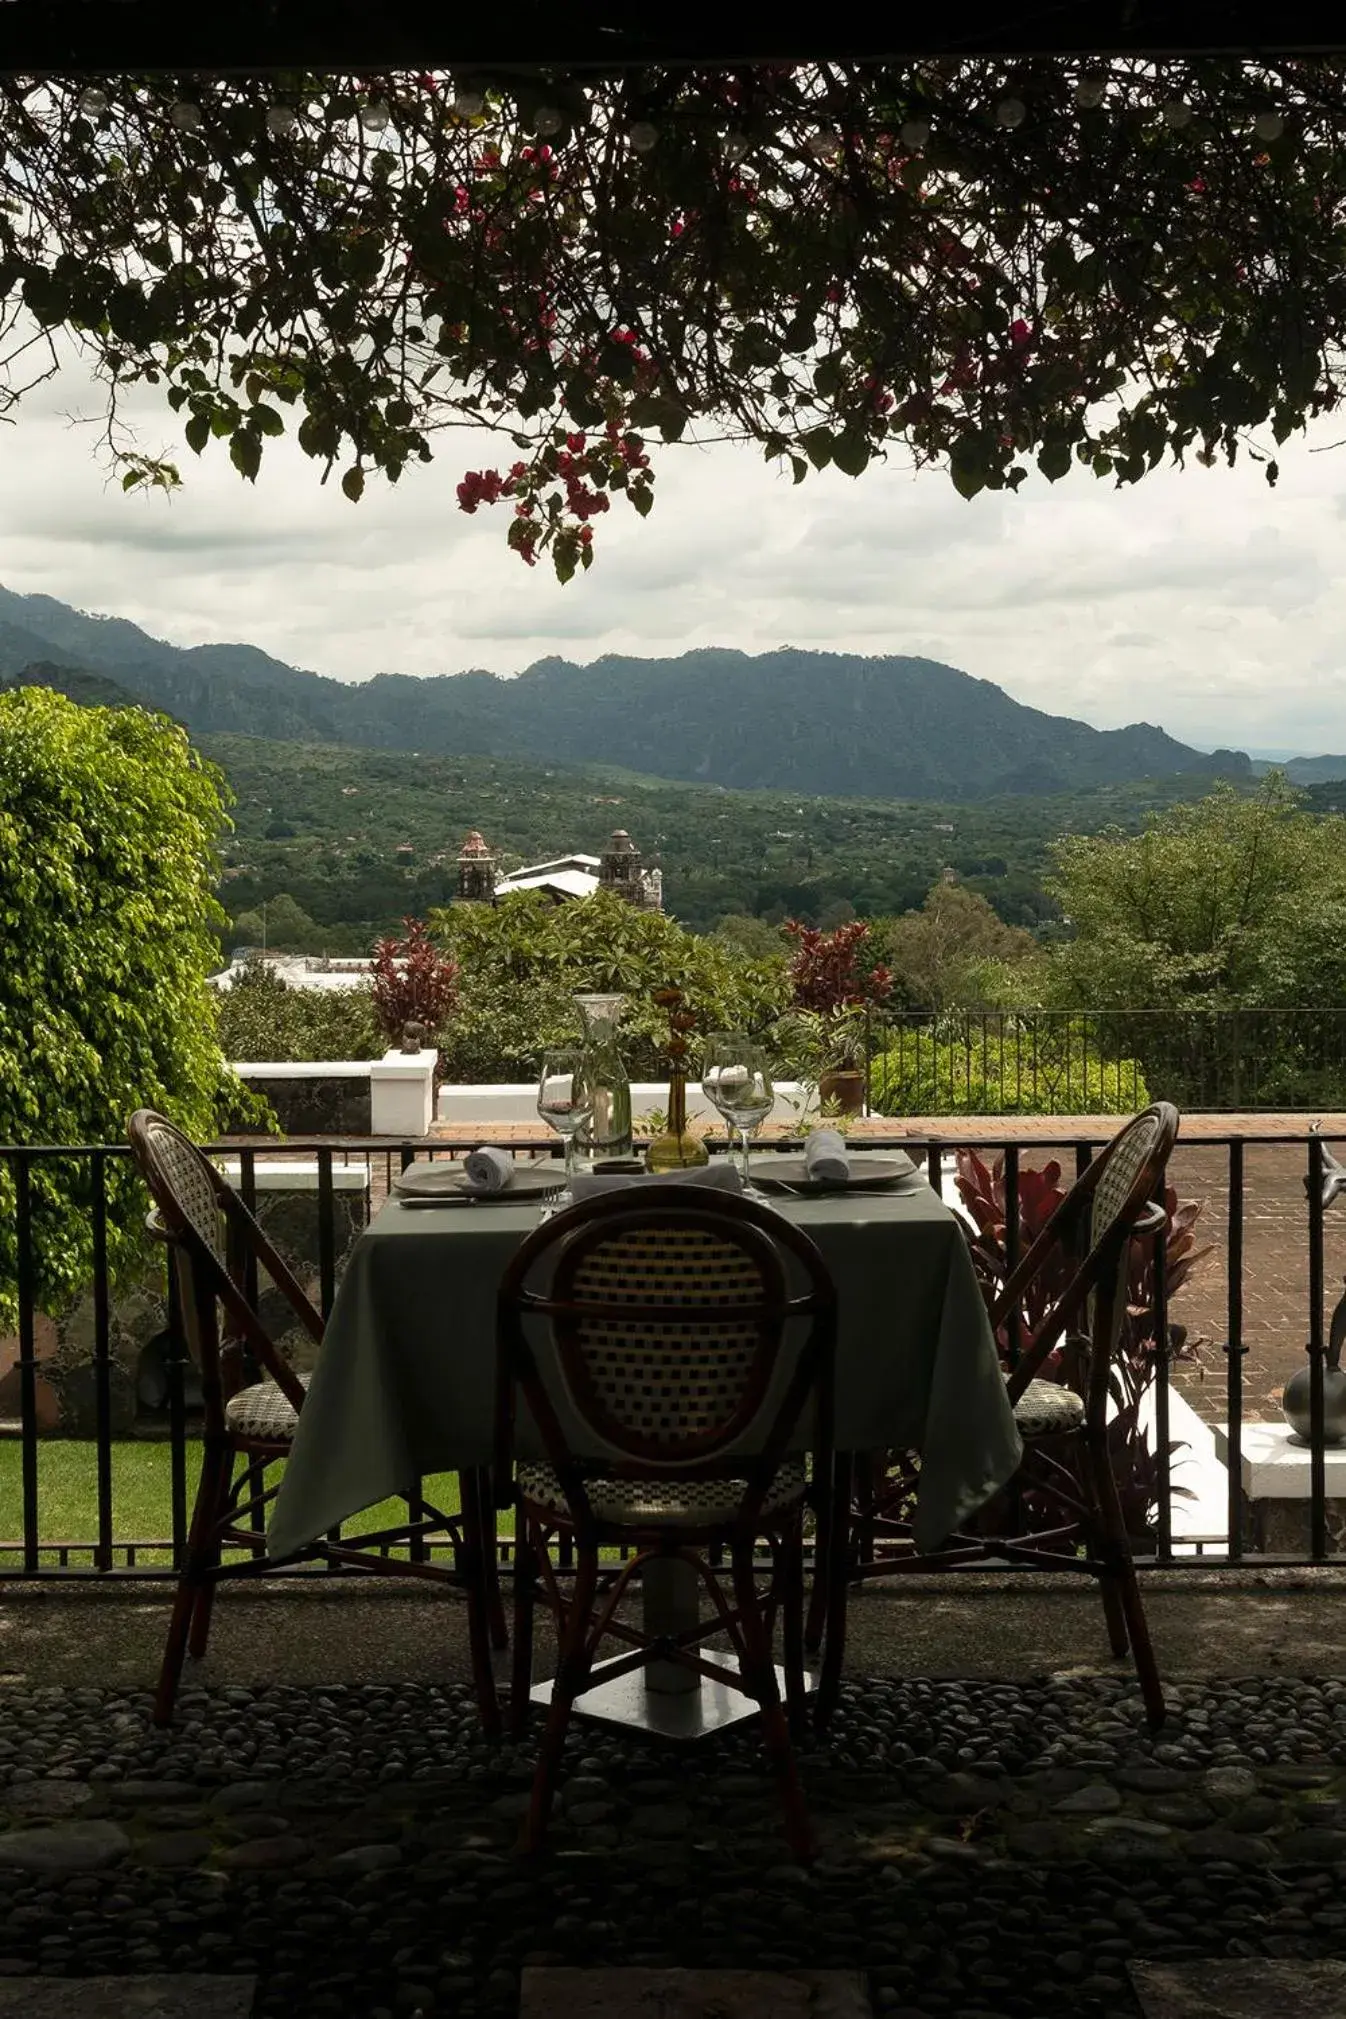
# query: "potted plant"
825,1050
845,1054
833,994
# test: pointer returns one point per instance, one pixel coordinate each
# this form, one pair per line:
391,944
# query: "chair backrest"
212,1238
1108,1206
662,1338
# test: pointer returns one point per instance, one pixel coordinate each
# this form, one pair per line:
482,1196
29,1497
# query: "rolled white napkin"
488,1169
825,1158
719,1177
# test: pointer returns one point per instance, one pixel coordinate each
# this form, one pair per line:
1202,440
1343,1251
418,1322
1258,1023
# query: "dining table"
405,1382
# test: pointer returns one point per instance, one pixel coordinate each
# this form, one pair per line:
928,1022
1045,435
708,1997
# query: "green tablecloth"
405,1380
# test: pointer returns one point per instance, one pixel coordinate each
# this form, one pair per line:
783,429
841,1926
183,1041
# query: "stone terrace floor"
1000,1836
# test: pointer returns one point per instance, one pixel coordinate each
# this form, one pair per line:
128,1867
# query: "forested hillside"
812,722
324,824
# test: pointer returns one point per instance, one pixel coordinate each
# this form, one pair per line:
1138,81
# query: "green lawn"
67,1486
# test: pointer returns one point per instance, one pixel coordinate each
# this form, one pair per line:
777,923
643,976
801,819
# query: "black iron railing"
1058,1062
103,1542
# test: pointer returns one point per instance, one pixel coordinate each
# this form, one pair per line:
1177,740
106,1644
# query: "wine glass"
564,1102
735,1079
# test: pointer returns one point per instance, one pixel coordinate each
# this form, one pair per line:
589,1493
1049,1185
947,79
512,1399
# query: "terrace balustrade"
343,1179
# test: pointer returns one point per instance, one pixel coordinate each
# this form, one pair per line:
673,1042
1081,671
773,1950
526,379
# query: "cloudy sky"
1200,600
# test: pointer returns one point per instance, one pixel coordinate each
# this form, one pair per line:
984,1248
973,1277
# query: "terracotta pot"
846,1089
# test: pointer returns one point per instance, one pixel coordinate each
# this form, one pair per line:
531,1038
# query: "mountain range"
824,723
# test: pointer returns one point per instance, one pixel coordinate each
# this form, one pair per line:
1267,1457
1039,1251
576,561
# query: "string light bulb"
1269,125
185,116
1091,91
1011,112
915,134
549,120
374,116
735,147
281,119
1176,114
643,136
469,104
92,102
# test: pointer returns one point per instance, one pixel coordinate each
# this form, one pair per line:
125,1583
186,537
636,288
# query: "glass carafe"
607,1133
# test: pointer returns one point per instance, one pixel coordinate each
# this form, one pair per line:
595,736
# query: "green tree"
1194,936
521,960
753,936
988,266
262,1018
281,926
1227,903
954,951
109,829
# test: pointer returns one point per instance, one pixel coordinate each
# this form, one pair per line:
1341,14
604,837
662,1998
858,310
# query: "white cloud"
1201,599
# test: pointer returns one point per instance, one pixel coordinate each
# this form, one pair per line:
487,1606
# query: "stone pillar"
619,868
476,871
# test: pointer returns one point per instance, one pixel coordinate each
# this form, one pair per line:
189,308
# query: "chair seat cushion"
1046,1409
262,1413
662,1503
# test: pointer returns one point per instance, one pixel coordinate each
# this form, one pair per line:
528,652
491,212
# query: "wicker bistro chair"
1064,1425
665,1341
213,1240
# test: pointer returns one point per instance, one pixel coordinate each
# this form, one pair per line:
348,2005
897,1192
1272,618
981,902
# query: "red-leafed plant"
982,1189
827,972
413,981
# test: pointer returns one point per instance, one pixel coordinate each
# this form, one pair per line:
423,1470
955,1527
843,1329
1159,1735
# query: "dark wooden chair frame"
1070,1469
586,1605
229,1505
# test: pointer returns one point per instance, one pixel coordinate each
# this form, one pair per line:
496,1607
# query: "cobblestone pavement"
986,1848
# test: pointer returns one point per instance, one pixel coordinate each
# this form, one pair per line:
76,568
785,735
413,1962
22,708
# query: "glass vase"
676,1148
607,1133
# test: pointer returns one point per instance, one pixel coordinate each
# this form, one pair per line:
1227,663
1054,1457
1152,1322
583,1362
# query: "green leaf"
1054,458
828,374
970,464
642,497
197,432
818,447
968,479
850,453
245,453
268,420
353,483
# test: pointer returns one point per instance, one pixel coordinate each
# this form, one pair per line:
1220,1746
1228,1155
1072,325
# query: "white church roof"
569,881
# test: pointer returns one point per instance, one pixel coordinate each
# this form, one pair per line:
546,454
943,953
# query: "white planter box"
298,1175
402,1093
307,1069
1272,1468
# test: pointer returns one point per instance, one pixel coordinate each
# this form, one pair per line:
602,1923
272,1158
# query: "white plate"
867,1173
439,1181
